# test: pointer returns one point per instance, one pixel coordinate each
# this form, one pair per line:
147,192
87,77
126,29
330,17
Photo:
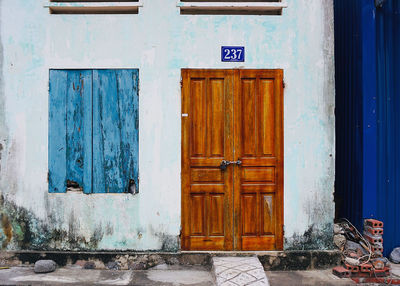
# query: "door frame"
279,124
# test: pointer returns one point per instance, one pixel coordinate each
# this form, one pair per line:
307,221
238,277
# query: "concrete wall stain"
313,238
168,242
23,230
7,229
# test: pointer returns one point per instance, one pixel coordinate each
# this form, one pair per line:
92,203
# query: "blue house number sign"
232,54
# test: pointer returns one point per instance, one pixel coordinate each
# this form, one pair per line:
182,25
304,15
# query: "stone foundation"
271,260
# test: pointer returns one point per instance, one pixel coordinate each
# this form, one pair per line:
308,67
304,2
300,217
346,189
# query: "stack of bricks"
375,268
373,231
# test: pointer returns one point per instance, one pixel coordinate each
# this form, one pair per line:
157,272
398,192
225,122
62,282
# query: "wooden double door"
232,159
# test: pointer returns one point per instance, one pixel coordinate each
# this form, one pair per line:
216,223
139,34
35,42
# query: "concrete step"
238,271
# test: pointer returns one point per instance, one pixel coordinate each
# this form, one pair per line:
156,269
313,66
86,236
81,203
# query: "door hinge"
48,176
181,82
283,230
283,84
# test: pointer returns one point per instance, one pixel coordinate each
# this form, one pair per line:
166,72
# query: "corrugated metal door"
388,95
367,47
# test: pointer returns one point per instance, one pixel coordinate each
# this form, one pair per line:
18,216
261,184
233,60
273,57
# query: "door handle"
224,164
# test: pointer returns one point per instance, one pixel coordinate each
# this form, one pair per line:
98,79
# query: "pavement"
164,275
161,275
174,276
307,278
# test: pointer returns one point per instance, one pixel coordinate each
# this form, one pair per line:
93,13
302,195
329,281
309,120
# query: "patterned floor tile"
238,271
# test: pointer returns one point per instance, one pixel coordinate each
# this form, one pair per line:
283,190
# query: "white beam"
264,6
93,4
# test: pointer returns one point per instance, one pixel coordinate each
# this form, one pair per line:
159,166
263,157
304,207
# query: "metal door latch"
224,164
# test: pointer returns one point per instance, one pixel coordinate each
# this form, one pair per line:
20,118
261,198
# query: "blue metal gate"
368,113
388,121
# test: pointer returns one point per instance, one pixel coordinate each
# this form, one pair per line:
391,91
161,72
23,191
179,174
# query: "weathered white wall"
159,41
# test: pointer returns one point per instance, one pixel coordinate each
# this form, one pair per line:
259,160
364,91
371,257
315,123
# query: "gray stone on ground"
89,265
137,265
337,229
113,265
395,255
238,271
45,266
339,240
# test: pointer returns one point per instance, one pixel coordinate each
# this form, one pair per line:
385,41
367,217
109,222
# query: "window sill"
94,7
123,196
274,8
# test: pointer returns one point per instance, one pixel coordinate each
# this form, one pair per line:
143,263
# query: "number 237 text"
232,54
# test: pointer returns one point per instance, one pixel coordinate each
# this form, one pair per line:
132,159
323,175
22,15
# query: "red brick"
351,268
373,231
377,249
373,223
366,267
373,239
362,274
381,272
341,272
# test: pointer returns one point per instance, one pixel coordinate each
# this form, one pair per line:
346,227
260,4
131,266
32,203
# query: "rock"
155,259
89,265
339,240
45,266
337,229
80,263
137,266
190,259
113,265
172,260
395,255
356,247
99,264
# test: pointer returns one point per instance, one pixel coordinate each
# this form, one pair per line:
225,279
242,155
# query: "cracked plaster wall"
159,42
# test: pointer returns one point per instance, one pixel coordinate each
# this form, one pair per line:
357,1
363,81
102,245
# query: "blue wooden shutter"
115,131
70,130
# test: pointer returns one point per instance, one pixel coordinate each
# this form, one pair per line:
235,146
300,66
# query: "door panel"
226,115
267,211
70,134
258,187
206,141
115,131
